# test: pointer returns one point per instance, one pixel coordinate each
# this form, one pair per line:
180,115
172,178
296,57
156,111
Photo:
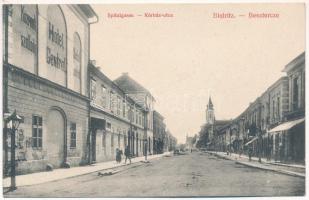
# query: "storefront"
289,141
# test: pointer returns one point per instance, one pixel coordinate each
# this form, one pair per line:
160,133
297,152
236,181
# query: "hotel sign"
56,49
55,57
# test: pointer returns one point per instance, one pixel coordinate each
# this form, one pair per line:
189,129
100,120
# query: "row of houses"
73,114
273,126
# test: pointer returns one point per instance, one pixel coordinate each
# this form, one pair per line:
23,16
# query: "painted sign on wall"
23,37
56,48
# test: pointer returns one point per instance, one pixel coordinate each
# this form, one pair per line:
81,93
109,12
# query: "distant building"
158,132
209,130
274,124
189,143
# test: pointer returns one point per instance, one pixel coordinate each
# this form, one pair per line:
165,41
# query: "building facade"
273,125
142,97
290,134
116,120
46,53
158,132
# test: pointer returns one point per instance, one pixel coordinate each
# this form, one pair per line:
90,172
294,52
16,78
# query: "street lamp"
13,120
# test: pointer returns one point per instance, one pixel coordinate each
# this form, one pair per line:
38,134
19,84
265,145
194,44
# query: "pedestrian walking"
118,155
127,154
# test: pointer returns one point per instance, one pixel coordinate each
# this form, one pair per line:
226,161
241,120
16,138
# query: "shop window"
73,135
37,131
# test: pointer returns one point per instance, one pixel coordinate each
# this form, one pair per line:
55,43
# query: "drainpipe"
88,88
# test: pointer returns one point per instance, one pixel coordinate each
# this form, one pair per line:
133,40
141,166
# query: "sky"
184,59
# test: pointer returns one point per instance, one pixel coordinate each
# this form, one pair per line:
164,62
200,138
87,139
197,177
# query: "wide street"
192,174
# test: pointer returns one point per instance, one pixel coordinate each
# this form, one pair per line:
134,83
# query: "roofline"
99,73
159,115
93,17
295,62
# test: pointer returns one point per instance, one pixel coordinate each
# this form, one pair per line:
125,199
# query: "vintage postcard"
154,99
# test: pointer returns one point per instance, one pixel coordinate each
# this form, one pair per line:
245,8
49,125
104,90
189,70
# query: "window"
295,94
278,107
93,88
273,114
104,96
118,105
119,140
112,101
37,132
124,108
73,135
108,126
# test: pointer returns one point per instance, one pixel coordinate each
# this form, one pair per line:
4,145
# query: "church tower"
210,113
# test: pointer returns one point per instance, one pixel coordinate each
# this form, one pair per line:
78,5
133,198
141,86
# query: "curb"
274,170
295,174
134,164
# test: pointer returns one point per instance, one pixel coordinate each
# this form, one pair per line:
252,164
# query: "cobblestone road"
196,174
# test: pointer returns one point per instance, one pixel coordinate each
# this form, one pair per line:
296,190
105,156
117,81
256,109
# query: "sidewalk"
289,169
63,173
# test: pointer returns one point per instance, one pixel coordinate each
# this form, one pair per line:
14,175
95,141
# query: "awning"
286,125
255,138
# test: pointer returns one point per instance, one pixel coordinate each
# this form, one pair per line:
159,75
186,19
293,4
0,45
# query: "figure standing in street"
127,154
118,155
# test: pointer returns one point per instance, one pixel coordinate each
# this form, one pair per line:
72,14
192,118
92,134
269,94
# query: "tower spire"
210,104
210,115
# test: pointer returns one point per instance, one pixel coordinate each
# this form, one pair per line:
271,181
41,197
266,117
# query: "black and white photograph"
153,99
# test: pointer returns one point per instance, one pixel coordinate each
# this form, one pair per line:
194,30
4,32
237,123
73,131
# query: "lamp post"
13,120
